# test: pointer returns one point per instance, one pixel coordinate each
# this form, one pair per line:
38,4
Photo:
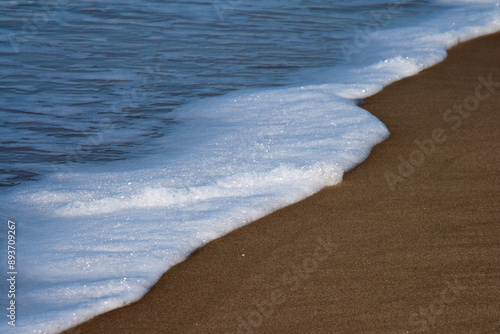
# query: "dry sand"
409,242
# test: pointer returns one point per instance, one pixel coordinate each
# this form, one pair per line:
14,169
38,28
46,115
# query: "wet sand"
409,242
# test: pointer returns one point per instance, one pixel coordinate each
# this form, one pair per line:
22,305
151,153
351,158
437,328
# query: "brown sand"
360,257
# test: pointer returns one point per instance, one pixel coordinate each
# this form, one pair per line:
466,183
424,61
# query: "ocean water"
134,132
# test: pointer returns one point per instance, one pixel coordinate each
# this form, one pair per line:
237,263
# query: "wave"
94,237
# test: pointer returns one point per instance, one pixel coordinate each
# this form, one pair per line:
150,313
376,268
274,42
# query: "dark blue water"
92,81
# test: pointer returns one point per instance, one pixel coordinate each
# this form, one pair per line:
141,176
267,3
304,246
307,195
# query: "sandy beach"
409,242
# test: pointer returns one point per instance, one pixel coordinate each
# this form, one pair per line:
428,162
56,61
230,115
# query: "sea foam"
95,237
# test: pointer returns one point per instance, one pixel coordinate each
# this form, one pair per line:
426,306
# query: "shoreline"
406,243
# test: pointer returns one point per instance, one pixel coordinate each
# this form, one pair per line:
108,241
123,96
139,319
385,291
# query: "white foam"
94,238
